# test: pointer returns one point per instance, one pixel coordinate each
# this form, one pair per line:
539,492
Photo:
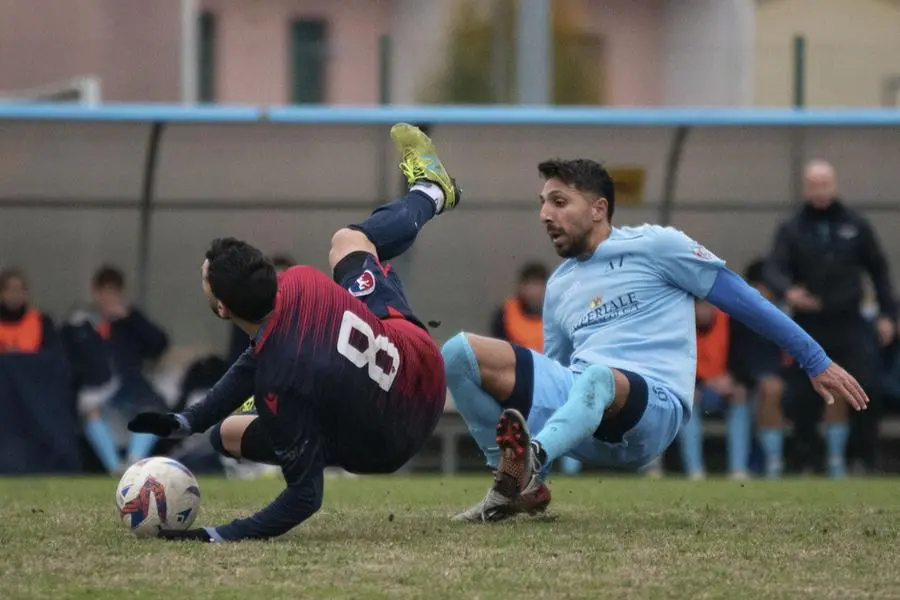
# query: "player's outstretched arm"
226,395
733,295
223,399
294,505
303,471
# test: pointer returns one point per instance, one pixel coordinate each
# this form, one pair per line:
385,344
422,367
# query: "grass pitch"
389,537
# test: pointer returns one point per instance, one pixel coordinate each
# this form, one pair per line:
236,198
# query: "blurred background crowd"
101,314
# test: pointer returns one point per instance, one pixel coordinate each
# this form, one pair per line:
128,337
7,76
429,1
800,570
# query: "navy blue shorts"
379,288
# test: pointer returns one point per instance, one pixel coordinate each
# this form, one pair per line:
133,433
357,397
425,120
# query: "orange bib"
522,329
712,348
25,335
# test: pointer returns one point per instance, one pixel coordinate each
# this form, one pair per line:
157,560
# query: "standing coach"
816,266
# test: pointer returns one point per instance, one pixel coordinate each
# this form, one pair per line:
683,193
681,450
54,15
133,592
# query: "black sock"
540,454
256,445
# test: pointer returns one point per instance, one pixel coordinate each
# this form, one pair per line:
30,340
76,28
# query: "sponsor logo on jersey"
609,310
364,284
701,252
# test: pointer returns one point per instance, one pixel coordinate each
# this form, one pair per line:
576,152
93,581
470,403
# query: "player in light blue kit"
617,378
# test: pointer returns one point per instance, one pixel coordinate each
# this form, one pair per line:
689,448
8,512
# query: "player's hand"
800,298
190,535
835,382
162,425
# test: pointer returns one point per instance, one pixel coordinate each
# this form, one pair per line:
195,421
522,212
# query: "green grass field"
389,537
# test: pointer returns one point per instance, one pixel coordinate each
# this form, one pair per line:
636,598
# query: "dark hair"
282,262
755,271
8,274
108,276
584,175
533,271
242,278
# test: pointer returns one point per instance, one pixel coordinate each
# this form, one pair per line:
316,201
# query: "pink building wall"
253,48
632,31
132,45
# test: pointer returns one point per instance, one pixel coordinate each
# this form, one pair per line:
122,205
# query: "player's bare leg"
232,433
598,393
242,437
483,373
478,366
392,228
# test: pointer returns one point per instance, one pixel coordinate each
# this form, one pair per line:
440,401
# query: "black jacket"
133,340
827,251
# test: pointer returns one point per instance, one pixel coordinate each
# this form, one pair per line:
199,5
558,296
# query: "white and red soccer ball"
157,493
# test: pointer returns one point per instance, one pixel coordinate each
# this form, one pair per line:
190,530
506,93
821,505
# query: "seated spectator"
757,364
238,340
520,320
717,390
23,329
38,431
109,345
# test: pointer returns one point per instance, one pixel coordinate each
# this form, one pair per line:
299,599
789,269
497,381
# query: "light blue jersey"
631,306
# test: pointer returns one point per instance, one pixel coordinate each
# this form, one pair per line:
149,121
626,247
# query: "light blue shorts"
632,439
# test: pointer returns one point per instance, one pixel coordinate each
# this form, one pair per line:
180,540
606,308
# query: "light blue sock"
569,465
772,441
836,442
100,437
691,441
139,446
479,410
578,419
738,437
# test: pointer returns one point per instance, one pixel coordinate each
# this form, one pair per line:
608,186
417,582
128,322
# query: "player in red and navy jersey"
342,371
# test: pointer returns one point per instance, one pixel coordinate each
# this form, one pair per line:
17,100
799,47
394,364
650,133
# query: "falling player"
617,380
343,372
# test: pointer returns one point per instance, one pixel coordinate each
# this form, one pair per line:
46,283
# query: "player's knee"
226,436
215,439
460,361
346,240
596,388
496,365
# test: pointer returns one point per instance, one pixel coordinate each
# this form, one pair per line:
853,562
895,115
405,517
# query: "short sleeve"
684,262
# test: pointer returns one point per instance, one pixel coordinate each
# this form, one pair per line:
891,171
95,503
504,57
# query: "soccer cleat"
517,483
518,460
419,162
495,507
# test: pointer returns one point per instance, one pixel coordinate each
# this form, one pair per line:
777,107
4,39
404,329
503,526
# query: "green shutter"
207,58
308,49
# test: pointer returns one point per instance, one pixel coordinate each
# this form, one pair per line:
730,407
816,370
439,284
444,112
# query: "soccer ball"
157,493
